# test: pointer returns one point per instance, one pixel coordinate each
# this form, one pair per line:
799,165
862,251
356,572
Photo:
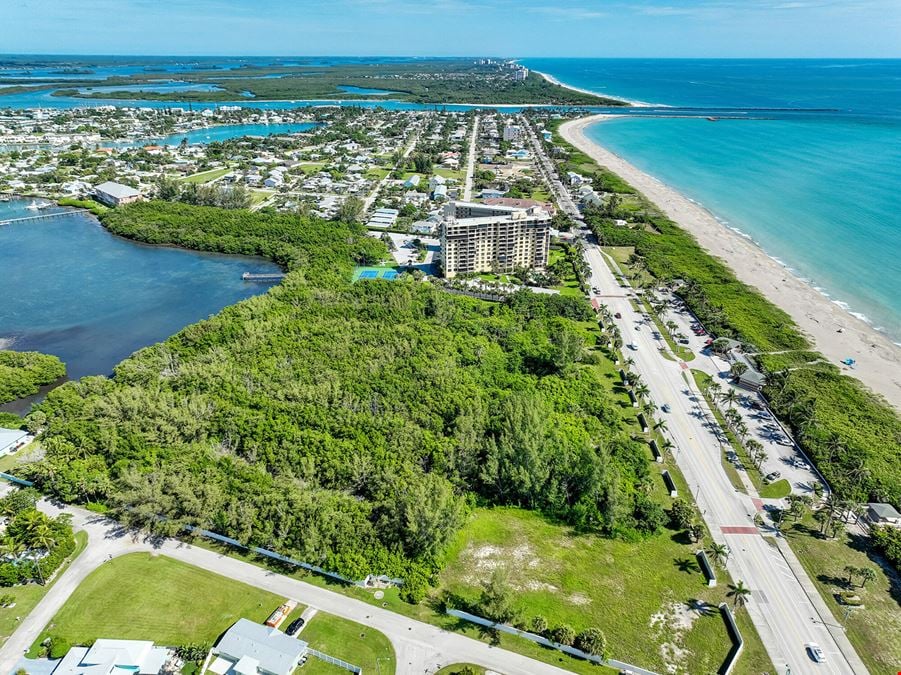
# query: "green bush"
58,648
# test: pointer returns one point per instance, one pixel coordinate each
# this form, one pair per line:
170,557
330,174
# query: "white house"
575,179
249,648
436,181
114,657
412,181
114,194
12,439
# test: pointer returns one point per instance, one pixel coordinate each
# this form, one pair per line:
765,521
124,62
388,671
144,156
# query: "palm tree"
834,445
730,397
11,548
666,446
642,391
672,326
851,570
714,388
649,408
867,574
739,593
719,552
661,426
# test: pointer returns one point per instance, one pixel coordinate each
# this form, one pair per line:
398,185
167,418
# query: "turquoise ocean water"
814,178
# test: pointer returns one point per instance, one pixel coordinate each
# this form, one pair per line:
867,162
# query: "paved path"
419,647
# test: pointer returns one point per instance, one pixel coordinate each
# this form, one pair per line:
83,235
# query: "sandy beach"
878,358
554,80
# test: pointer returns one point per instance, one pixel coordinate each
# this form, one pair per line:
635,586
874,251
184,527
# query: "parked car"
665,407
295,626
813,649
618,316
770,477
684,341
800,464
633,346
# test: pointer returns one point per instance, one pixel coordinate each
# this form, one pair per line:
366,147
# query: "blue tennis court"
369,274
390,274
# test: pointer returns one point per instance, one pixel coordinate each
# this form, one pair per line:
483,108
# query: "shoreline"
878,359
634,104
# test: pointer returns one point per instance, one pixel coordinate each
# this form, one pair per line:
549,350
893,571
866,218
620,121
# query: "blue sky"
666,28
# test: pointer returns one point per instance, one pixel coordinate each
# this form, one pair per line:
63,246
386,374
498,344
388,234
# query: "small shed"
883,514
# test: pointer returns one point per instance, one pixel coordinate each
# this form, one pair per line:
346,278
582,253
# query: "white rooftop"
272,650
9,437
117,190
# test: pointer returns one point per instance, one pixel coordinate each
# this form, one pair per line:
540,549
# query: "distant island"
436,81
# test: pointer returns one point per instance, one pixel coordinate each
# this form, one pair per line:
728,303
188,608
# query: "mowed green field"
150,597
648,597
352,642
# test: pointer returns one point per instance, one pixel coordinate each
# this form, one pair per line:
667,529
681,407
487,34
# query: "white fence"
539,639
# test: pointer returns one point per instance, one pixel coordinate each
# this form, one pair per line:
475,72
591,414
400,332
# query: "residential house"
116,194
249,648
114,657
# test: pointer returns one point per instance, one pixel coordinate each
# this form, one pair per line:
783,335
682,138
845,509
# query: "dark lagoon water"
72,289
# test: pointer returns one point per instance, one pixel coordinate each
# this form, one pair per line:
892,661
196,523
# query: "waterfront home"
116,194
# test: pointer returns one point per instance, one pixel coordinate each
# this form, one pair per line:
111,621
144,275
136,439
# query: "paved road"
780,449
419,647
471,160
374,193
781,610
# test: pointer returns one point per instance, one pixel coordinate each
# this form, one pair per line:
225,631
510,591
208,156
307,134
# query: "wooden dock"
42,216
277,276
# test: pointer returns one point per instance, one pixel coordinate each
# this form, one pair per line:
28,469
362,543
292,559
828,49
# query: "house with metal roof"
249,648
114,194
883,514
114,657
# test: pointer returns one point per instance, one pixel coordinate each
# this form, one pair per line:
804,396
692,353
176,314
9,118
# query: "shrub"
9,575
59,647
539,625
592,641
564,635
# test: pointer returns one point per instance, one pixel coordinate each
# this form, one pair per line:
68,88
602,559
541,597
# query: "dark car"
770,477
665,407
295,626
618,315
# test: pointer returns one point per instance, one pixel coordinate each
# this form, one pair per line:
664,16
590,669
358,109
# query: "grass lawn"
777,490
872,629
451,173
579,580
702,379
28,596
146,597
259,196
22,456
206,176
459,668
349,641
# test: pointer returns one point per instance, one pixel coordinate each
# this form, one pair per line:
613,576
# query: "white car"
813,649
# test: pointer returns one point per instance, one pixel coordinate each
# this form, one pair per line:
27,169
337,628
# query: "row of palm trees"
719,555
